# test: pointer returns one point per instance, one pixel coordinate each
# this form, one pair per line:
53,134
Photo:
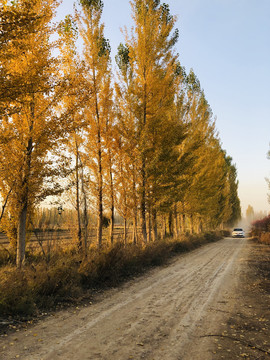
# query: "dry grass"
68,275
265,238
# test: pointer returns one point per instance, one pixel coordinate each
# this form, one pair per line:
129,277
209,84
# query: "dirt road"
163,315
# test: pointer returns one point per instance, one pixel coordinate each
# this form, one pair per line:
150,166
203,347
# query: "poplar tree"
234,202
71,105
200,150
97,108
210,179
31,129
151,85
110,171
127,138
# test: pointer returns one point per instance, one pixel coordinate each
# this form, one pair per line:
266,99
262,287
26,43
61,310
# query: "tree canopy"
142,143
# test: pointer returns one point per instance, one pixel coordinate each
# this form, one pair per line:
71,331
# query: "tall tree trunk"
79,230
149,225
112,223
112,200
143,195
125,230
134,233
100,198
180,228
21,233
200,225
176,224
184,223
85,224
164,227
135,215
197,223
21,237
149,228
191,224
170,223
143,204
154,219
85,214
99,159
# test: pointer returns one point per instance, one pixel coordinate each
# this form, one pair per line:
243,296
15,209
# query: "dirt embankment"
170,313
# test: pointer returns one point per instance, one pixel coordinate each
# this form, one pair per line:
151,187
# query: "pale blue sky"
227,43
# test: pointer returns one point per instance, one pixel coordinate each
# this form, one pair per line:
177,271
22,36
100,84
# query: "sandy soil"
166,314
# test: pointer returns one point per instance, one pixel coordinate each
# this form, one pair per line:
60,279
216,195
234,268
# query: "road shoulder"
246,333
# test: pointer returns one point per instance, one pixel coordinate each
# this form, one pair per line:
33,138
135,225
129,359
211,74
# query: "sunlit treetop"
193,82
122,57
143,5
104,47
97,4
180,70
165,13
68,25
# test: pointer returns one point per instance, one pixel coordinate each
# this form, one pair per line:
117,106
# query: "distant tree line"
142,144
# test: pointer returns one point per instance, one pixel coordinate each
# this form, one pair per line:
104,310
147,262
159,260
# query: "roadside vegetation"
67,278
261,230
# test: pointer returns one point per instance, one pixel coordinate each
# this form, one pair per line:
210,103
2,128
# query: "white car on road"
238,232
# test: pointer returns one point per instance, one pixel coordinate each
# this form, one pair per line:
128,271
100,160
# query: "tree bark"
176,224
143,196
85,215
79,230
149,225
191,224
112,200
143,204
134,233
100,204
184,223
201,225
125,230
21,233
164,227
99,159
135,215
170,223
21,237
180,229
154,217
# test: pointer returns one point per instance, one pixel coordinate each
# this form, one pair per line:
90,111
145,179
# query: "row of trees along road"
141,142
